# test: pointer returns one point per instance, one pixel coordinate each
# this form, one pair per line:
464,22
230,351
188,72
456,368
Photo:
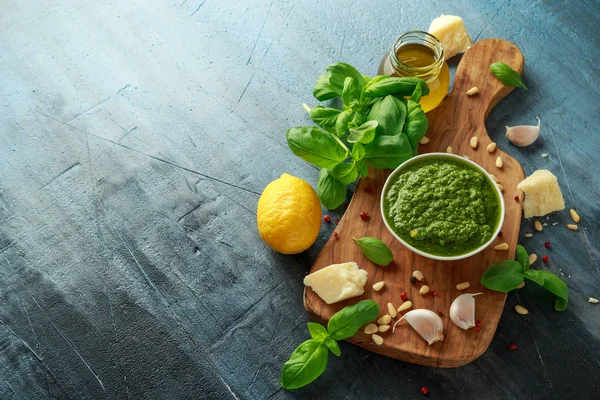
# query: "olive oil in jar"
420,55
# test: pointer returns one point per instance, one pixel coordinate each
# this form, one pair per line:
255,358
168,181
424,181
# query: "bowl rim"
449,156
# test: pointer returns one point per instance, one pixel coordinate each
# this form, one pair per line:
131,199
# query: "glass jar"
420,55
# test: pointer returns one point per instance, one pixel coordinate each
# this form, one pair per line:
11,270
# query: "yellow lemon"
288,215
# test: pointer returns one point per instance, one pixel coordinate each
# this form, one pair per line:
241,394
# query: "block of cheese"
451,31
337,282
542,194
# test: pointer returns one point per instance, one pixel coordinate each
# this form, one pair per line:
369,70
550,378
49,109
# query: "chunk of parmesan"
337,282
542,194
451,31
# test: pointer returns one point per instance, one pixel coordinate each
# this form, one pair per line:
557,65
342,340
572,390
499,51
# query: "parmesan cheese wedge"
542,194
451,31
337,282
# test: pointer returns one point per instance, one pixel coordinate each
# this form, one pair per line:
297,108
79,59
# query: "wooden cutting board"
454,123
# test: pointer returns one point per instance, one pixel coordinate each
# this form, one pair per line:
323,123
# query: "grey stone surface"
135,139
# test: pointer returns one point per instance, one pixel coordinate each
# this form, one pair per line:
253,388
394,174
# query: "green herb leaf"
390,114
325,117
338,74
333,346
359,118
507,75
349,93
375,250
416,95
523,257
323,90
331,192
358,151
341,125
553,284
363,168
387,85
306,364
348,320
364,133
317,331
416,123
503,277
346,173
388,151
316,146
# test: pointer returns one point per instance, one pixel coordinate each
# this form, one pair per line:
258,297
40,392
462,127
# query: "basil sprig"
375,250
309,360
507,75
507,275
376,126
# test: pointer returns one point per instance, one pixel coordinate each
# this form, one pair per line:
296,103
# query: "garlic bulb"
523,135
428,324
462,310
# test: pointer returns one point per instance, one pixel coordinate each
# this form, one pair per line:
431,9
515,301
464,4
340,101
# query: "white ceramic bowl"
452,157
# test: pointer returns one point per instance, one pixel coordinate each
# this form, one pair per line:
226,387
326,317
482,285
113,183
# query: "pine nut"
544,155
392,310
572,227
405,306
491,147
499,162
370,329
494,178
501,187
473,142
467,157
378,286
384,328
528,234
501,246
384,320
424,290
521,310
537,225
424,140
377,339
418,275
574,215
472,91
593,300
532,258
521,285
463,286
449,150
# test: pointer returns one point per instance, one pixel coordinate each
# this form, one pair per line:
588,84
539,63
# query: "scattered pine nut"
378,340
544,155
424,290
463,286
472,91
521,310
501,187
473,142
521,285
528,234
424,140
491,147
371,329
384,328
392,310
405,306
499,162
449,150
532,258
501,246
572,227
418,275
467,157
495,178
378,286
574,215
593,300
384,320
537,225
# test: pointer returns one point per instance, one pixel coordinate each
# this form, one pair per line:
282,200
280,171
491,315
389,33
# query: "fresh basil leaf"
325,117
553,284
358,151
331,192
507,75
341,125
346,173
363,168
390,114
503,277
536,275
306,364
523,257
417,93
333,346
388,151
394,85
415,150
317,331
416,123
359,118
338,74
348,320
375,250
323,90
349,93
364,133
316,146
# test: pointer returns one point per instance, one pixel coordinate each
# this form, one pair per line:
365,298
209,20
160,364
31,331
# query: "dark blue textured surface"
135,139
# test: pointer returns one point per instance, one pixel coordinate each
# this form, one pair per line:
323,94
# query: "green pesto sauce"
442,207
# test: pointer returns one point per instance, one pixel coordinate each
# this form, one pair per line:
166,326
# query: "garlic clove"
462,310
428,324
523,135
